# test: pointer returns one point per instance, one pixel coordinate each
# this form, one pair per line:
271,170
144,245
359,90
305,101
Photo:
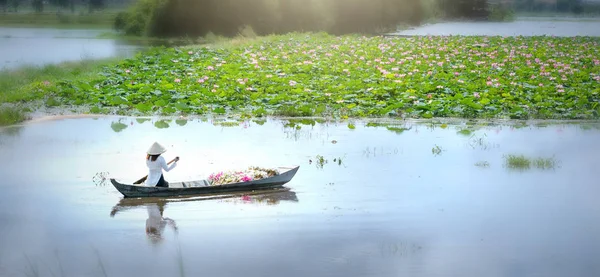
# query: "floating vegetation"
517,162
118,126
465,132
522,162
100,178
482,164
226,123
436,150
320,161
545,163
161,124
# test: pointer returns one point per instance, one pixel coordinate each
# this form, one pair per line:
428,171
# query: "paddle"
145,177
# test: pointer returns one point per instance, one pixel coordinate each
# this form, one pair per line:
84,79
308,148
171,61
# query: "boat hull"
147,191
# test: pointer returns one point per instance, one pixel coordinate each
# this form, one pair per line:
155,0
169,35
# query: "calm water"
393,207
520,27
41,46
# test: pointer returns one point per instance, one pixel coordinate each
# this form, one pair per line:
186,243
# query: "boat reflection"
156,222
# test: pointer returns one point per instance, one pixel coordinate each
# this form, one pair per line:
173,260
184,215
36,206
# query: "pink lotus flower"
200,80
177,80
127,71
210,68
293,83
476,94
190,52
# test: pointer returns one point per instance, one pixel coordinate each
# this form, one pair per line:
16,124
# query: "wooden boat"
201,187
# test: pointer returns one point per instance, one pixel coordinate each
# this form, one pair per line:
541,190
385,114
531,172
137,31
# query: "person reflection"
156,223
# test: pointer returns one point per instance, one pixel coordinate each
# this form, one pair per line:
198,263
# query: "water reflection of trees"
157,222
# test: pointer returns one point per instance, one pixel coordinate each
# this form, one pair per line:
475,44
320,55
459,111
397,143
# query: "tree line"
165,18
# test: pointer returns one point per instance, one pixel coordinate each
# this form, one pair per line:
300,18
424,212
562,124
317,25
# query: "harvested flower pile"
250,174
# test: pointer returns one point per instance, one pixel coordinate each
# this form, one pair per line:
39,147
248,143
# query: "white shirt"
155,169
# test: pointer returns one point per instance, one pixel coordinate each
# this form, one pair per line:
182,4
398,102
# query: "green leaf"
181,122
118,126
219,110
181,106
160,103
143,107
161,124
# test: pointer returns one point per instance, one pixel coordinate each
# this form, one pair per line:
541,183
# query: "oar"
145,177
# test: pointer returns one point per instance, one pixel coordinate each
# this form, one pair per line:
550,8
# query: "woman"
156,163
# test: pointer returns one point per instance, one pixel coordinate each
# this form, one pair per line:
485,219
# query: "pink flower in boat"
246,178
246,198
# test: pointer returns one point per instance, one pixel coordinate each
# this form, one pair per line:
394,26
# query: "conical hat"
156,149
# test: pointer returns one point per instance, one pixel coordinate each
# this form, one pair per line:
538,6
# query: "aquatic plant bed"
354,76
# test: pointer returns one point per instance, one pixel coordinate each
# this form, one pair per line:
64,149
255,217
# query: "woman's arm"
166,167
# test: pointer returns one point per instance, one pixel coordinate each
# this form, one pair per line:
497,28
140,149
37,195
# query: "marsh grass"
11,115
23,84
517,162
545,163
522,162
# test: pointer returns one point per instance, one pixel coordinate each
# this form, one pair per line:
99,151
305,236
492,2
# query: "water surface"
519,27
42,46
392,207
